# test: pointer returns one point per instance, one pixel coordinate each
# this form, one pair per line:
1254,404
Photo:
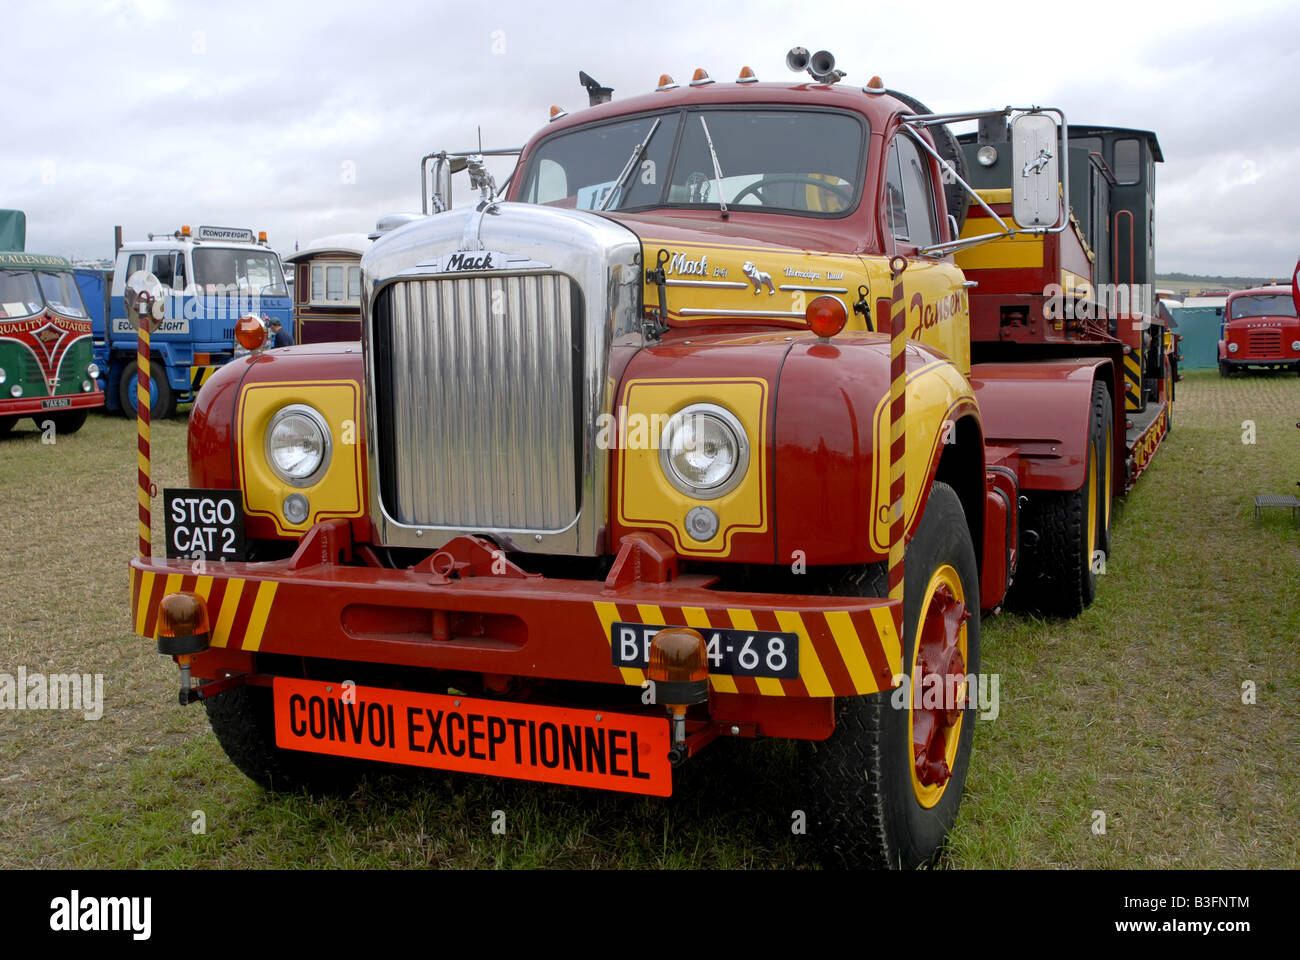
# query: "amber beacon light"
183,631
679,668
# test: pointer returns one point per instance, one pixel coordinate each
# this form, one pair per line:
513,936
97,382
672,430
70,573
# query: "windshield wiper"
629,166
717,169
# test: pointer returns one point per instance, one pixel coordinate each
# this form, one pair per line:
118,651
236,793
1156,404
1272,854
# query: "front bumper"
446,615
30,406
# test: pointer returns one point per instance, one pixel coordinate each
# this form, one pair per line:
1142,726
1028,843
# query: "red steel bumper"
32,406
456,612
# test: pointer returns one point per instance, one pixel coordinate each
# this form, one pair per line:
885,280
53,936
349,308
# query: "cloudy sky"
305,119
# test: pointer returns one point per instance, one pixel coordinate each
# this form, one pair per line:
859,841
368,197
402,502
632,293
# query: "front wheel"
7,424
887,783
162,402
1224,369
244,721
65,424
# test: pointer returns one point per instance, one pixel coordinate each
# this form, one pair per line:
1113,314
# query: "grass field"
1134,710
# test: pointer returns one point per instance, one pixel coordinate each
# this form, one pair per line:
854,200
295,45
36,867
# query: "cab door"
933,288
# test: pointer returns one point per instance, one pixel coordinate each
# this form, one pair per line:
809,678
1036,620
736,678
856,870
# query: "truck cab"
1259,329
47,370
211,276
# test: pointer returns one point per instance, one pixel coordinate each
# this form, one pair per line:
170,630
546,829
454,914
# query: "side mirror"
443,168
144,294
1035,171
1218,311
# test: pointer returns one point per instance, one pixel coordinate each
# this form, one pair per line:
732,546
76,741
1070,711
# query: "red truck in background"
1260,329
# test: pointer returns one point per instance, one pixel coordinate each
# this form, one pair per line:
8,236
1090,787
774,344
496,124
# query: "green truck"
47,368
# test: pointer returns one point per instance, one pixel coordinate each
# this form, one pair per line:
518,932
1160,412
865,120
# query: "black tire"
1103,417
865,812
1224,369
1056,576
243,720
7,424
955,196
65,424
164,409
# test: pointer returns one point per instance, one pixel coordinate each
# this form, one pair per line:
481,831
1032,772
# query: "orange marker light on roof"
826,316
746,76
874,85
261,236
700,77
666,82
185,230
557,112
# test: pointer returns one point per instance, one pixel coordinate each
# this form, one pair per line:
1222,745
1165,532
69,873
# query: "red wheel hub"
939,696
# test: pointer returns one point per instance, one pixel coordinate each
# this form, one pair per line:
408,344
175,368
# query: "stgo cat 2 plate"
204,524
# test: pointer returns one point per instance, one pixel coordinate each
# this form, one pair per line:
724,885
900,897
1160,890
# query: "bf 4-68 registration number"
741,653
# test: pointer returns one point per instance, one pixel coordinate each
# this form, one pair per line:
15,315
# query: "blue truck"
213,276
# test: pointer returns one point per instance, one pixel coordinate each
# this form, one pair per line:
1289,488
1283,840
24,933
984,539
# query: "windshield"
19,295
219,270
777,160
62,294
1270,305
24,292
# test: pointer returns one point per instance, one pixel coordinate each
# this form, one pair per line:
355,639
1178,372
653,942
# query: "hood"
746,269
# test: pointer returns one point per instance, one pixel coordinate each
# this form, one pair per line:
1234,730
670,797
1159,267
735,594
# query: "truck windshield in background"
25,292
783,161
219,270
1272,305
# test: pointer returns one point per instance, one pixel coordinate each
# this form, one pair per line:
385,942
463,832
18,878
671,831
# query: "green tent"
13,229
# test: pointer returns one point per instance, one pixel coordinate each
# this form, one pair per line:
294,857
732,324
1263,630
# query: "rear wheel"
7,424
1058,576
886,785
1103,422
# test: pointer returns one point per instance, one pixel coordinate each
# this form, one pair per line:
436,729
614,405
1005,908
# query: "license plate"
583,748
741,653
204,524
55,403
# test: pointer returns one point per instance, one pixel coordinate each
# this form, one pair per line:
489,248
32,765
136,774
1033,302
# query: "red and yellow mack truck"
695,429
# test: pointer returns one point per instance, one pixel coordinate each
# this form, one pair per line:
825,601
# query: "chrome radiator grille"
1266,343
477,389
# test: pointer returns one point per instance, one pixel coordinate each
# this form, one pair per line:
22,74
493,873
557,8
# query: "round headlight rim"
327,453
737,429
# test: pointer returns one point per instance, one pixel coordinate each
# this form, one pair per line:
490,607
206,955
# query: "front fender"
229,420
832,484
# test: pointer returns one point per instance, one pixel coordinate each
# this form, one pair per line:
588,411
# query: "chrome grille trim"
477,408
601,259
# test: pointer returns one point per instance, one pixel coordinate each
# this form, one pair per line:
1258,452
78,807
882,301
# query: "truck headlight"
298,444
1295,345
1232,348
16,390
704,451
92,371
3,375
